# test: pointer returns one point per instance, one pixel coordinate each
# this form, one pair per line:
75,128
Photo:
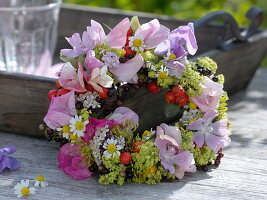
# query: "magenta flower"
72,79
6,161
210,97
80,45
176,161
180,42
215,135
122,114
94,124
70,161
148,36
60,111
127,72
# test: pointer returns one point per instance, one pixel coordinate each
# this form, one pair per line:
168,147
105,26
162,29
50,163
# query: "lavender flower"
110,59
215,135
6,161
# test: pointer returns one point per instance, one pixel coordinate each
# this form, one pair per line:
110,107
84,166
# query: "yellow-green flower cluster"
203,155
146,164
222,108
115,171
221,79
106,48
149,56
191,80
208,63
187,139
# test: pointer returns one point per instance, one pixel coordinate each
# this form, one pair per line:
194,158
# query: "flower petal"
121,114
198,139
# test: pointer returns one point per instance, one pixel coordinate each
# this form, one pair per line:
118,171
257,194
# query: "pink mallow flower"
60,111
95,35
122,114
210,97
148,36
71,162
70,78
168,141
214,135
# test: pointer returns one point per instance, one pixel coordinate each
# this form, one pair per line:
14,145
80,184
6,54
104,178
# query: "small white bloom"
40,180
111,147
89,100
163,72
136,43
100,77
77,126
65,131
148,134
23,189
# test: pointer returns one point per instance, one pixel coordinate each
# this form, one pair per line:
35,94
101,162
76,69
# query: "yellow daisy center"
66,129
152,170
171,57
137,42
25,191
192,120
146,133
192,105
162,74
79,126
40,178
112,148
73,137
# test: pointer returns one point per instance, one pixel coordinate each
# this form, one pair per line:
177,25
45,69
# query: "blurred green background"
191,9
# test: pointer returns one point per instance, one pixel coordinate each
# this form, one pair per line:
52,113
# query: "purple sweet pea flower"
71,162
61,110
6,161
210,97
95,35
180,42
215,135
168,141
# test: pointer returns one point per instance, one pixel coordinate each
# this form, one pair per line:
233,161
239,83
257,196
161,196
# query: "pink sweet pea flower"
127,72
148,36
70,161
61,110
116,37
94,124
168,141
72,79
210,98
122,114
215,135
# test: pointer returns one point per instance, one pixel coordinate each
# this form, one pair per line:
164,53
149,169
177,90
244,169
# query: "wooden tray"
23,98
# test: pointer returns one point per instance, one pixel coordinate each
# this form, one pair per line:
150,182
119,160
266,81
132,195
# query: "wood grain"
242,174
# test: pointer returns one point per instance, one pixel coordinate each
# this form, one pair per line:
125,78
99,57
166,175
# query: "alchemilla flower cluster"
98,133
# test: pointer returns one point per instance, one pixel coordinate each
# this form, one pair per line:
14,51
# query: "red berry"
170,98
178,91
62,91
153,87
104,93
58,84
182,101
125,158
90,88
51,94
136,146
128,51
130,32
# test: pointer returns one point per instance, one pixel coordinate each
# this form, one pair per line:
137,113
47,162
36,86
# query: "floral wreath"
99,135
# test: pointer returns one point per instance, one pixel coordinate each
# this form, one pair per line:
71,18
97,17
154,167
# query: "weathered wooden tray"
23,98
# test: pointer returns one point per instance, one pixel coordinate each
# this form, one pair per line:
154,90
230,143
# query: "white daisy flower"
77,126
23,189
111,147
40,180
148,134
163,72
65,131
136,44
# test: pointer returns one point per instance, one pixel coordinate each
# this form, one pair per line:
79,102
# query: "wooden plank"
242,174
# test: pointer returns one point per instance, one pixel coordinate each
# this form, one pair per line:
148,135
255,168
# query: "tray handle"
254,14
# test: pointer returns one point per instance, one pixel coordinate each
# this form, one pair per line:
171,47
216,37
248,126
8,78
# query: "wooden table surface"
242,174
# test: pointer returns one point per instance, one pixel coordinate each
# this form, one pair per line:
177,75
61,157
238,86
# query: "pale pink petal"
195,125
125,72
90,63
117,36
198,139
179,172
156,38
60,111
122,114
69,53
99,29
173,132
